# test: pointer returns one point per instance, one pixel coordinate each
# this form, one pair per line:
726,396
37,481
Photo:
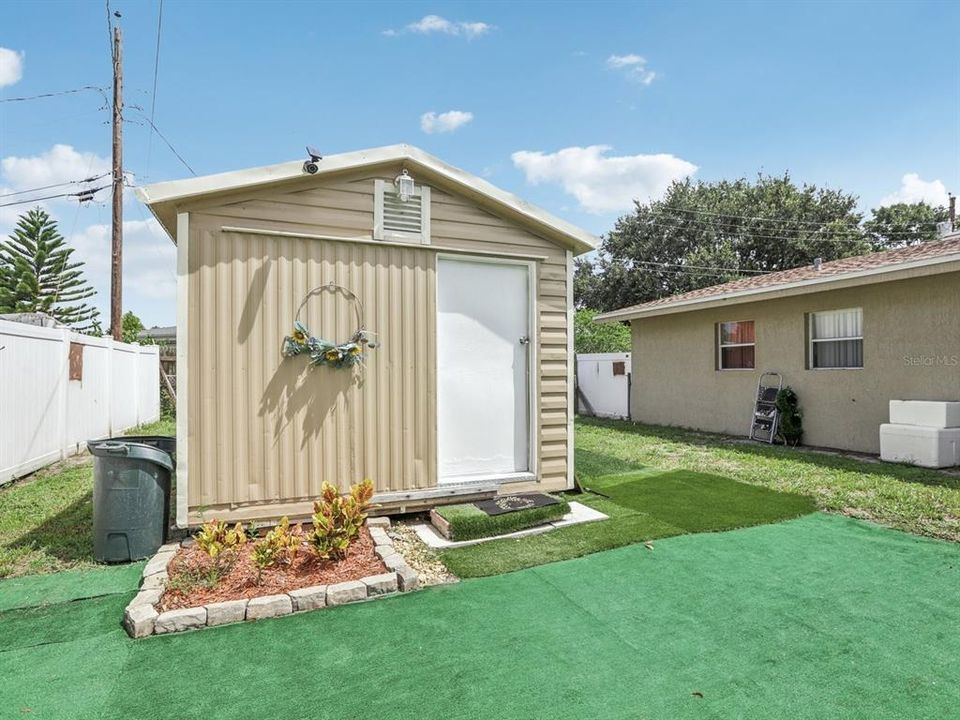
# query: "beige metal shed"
466,291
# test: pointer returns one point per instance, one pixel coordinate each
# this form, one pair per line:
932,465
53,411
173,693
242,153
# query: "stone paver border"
142,618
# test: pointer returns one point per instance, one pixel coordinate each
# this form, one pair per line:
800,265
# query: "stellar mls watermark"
931,360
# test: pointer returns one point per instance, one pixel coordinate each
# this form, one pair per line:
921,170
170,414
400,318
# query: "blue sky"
577,107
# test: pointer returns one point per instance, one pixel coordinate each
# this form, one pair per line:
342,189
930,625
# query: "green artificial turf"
468,522
641,505
46,518
818,617
69,585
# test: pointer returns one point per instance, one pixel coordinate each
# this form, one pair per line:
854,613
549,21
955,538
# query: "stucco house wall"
911,350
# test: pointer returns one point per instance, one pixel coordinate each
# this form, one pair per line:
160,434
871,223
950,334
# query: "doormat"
511,503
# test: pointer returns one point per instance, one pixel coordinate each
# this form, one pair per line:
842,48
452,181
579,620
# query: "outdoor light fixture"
405,185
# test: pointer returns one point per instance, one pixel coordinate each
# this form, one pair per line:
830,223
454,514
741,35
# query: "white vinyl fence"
45,415
603,380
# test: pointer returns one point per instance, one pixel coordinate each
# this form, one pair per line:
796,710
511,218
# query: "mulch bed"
240,580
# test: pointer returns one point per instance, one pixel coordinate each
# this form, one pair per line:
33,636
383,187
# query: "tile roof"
835,268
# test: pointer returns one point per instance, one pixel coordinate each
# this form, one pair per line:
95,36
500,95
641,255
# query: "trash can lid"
119,448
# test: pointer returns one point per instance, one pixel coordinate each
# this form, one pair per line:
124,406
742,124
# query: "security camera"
310,166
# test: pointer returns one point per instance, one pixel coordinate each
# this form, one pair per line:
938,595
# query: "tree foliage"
594,337
130,328
707,233
904,224
37,274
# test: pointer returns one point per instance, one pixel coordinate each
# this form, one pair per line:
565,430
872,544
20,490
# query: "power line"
153,96
810,235
751,217
700,267
91,192
703,222
172,149
683,272
61,184
100,90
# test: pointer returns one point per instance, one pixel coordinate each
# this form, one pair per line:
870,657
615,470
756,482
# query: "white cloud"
11,66
430,24
149,264
633,66
603,183
59,164
449,121
149,257
913,189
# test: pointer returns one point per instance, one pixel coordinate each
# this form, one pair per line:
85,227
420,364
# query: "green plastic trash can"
131,496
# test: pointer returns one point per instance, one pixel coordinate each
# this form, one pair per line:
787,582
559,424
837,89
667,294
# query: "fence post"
109,387
136,384
63,388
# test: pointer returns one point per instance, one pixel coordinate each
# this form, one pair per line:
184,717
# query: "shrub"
285,540
337,518
215,537
188,579
264,556
791,419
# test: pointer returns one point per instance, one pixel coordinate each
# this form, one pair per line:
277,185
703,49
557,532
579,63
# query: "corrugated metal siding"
264,430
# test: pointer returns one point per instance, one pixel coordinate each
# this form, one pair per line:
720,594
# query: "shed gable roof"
164,198
871,268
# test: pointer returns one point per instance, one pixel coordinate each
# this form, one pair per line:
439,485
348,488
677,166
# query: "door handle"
524,340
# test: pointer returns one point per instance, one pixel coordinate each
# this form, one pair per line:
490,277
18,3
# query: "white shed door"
483,348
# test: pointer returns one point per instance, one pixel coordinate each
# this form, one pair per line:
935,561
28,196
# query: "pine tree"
37,274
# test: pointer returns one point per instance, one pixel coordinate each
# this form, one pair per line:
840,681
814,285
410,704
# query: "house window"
404,220
836,339
736,345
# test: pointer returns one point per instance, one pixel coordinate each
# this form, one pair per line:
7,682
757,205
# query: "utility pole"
953,212
116,267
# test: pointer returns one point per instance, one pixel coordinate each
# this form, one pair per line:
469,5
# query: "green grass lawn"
46,517
817,617
656,482
920,501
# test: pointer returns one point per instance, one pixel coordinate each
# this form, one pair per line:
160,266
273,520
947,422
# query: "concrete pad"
579,513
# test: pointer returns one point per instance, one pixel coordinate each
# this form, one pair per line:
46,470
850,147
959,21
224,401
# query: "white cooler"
931,413
932,447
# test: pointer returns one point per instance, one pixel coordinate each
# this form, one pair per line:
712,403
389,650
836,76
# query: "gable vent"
405,220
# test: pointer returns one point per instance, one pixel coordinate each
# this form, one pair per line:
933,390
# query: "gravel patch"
420,557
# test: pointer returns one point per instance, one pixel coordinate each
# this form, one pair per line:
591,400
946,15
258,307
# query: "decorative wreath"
326,352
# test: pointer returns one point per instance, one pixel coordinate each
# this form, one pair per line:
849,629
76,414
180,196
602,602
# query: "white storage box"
931,413
919,445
